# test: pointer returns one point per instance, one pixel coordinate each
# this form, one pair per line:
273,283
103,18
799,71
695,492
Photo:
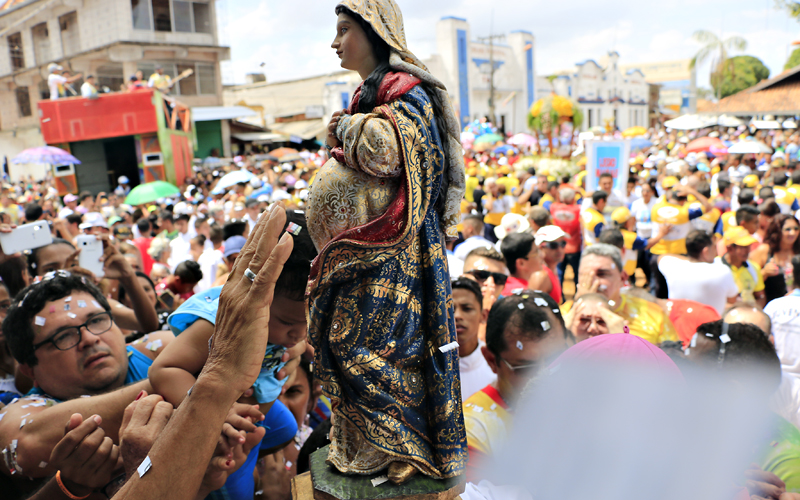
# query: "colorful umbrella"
150,192
640,143
634,132
704,144
749,147
522,139
488,139
45,154
281,152
505,149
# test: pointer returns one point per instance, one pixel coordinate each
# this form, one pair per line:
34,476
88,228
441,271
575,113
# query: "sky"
289,40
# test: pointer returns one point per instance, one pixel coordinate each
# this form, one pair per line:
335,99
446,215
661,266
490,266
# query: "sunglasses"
555,245
480,275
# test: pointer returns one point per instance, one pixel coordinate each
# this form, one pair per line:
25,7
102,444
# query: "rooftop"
778,95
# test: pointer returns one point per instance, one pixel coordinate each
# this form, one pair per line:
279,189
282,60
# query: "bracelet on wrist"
66,491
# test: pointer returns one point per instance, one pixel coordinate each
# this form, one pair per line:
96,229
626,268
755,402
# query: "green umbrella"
150,192
488,139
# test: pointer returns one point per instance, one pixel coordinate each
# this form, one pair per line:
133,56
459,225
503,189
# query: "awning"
210,113
304,130
260,137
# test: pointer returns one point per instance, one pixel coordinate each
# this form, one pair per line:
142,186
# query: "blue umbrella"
45,154
266,190
640,143
234,178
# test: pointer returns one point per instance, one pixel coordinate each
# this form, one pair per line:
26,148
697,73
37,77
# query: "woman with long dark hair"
380,304
781,243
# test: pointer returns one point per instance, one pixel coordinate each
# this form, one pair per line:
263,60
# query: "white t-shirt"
785,315
209,261
475,373
53,81
642,212
786,400
710,284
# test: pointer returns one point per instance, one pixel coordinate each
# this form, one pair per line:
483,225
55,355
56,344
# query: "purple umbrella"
45,154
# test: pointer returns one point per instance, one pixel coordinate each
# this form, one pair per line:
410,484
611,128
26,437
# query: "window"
44,91
207,79
70,37
111,76
183,15
187,86
162,15
589,118
23,101
15,52
202,17
41,43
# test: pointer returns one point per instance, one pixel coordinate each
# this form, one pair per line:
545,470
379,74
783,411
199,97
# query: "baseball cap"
738,236
548,233
69,198
621,215
669,181
93,219
122,179
511,223
233,245
750,181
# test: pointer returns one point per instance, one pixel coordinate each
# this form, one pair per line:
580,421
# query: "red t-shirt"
687,315
513,284
555,292
567,217
143,244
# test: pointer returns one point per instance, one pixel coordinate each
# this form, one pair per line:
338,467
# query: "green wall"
209,136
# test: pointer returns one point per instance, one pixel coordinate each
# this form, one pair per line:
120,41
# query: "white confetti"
724,338
39,321
154,345
144,467
42,465
68,299
379,480
449,347
66,307
521,306
540,302
81,303
734,312
22,423
95,303
493,407
519,345
1,416
478,409
693,343
612,303
72,315
689,310
118,306
545,325
556,311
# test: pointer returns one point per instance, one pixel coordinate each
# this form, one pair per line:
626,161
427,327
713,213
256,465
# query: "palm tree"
715,47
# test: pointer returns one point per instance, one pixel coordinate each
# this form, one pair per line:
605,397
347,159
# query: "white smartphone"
91,254
26,237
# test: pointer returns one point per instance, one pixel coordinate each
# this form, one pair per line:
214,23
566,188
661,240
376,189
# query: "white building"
110,39
607,96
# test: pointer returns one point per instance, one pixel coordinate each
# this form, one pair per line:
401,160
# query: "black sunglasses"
555,245
480,275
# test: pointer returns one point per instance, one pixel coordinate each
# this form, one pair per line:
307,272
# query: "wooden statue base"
325,483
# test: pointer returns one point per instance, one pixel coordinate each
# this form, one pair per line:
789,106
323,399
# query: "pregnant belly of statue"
342,198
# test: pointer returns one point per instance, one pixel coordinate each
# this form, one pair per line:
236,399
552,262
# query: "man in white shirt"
472,230
641,210
614,201
88,89
469,316
696,276
211,259
784,313
180,246
56,81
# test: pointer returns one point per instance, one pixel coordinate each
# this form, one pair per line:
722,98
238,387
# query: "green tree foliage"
794,59
792,7
738,73
716,50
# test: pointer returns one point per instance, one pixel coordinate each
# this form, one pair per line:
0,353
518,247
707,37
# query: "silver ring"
249,274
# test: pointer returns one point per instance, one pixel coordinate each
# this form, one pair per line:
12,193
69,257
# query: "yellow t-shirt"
785,198
664,212
728,221
487,421
629,255
590,218
749,280
645,319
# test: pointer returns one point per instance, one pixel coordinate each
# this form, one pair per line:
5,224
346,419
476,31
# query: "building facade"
608,96
677,81
110,39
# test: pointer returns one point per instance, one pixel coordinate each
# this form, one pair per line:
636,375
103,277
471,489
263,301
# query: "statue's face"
351,43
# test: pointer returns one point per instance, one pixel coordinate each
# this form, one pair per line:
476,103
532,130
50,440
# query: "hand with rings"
240,337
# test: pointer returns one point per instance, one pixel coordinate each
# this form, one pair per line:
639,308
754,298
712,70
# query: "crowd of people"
93,367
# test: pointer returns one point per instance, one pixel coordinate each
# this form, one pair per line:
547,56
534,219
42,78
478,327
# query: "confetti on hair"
42,465
540,302
521,306
693,343
81,303
449,347
545,325
526,296
39,321
519,345
72,315
724,338
294,228
556,311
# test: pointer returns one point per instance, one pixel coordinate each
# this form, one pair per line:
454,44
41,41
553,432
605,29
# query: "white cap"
548,233
93,219
122,179
511,223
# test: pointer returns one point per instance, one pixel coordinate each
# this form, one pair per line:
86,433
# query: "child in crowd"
174,371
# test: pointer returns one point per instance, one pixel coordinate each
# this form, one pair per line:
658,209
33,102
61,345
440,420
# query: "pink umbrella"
522,140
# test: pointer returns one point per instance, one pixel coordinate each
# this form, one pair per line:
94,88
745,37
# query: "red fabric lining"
494,394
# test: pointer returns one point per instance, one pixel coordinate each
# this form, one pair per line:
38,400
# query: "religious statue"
380,304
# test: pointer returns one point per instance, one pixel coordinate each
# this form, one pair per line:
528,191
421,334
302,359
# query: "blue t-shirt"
204,306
